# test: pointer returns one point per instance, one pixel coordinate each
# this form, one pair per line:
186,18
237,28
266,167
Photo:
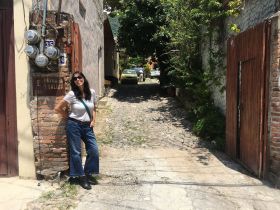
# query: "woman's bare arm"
92,124
62,108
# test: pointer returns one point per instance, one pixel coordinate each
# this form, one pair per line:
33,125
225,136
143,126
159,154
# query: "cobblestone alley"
151,161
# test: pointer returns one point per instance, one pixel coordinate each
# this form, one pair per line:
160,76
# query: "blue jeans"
75,133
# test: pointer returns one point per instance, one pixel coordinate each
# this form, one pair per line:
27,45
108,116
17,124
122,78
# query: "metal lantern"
32,36
31,51
41,60
52,52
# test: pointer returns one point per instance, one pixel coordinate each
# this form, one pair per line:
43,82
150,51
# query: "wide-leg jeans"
77,131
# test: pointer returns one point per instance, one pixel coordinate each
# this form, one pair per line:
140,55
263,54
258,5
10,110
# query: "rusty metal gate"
8,130
247,85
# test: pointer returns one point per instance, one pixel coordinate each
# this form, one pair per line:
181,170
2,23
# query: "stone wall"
252,13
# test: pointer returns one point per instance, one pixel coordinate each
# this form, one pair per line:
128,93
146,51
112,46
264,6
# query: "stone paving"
150,160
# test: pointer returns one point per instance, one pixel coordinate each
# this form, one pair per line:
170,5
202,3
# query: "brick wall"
49,136
274,105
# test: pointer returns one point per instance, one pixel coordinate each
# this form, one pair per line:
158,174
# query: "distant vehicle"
129,76
140,73
155,73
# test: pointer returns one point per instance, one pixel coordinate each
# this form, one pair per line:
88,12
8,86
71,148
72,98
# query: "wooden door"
250,114
8,129
3,140
247,85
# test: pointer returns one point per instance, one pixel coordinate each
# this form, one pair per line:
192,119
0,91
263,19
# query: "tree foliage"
140,22
112,5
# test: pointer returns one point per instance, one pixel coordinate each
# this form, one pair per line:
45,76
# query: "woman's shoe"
91,179
73,180
83,181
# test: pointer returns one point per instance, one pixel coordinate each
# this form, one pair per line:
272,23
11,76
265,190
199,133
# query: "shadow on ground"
174,112
138,93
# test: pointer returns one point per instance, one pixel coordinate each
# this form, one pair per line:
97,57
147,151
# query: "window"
82,10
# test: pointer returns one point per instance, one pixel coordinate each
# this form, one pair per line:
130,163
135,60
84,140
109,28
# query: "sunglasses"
78,77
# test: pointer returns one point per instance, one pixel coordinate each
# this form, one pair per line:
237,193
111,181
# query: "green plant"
194,25
48,195
62,198
69,190
211,126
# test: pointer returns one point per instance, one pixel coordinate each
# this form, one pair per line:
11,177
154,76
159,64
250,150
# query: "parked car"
129,76
155,73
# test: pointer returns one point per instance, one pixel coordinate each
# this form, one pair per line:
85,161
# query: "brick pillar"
49,136
274,105
48,86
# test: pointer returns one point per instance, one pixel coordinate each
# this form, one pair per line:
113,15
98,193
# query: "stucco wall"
25,137
218,96
91,29
110,55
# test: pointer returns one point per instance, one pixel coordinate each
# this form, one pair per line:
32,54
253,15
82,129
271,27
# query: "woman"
80,123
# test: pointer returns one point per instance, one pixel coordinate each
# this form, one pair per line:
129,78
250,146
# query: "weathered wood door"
3,140
246,96
8,130
250,108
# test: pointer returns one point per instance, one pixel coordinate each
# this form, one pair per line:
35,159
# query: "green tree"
112,5
140,22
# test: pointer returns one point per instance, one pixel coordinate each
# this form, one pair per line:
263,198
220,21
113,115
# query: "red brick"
275,94
275,139
275,134
275,118
275,104
275,84
276,109
275,130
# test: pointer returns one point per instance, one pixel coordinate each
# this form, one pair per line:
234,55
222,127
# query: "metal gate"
8,130
247,76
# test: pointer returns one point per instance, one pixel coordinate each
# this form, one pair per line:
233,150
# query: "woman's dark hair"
76,89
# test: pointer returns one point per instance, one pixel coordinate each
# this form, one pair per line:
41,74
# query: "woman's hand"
92,123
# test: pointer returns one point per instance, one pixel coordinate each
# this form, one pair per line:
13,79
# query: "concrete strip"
15,193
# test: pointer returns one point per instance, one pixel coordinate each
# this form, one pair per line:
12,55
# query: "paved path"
15,193
168,179
151,160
